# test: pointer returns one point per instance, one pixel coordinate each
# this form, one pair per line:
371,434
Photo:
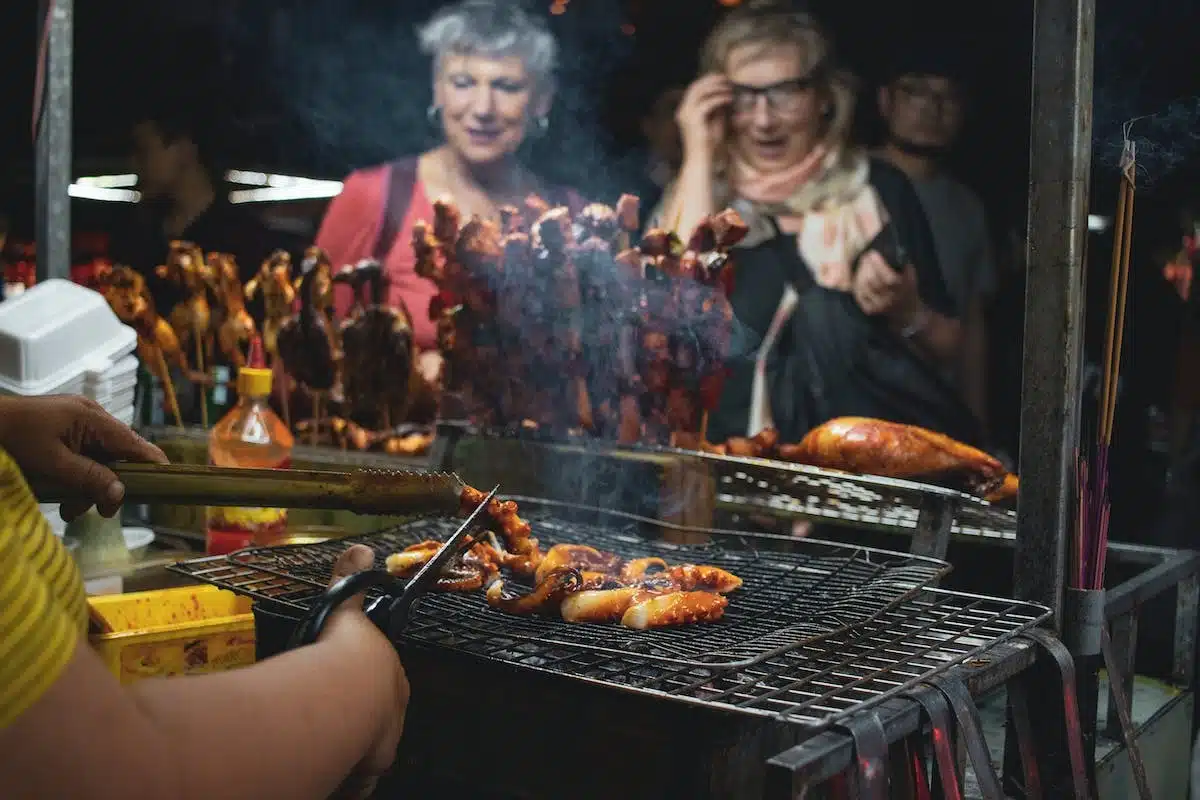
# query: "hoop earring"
433,115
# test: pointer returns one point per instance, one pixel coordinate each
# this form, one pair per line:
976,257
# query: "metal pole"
54,141
1060,165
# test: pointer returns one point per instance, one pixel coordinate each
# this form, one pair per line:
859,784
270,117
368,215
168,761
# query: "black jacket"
831,359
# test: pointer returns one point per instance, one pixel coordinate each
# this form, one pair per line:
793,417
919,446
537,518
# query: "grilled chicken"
878,447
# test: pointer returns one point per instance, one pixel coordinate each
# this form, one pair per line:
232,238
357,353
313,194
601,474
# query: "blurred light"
558,7
105,194
730,3
628,29
1097,223
279,194
109,181
118,188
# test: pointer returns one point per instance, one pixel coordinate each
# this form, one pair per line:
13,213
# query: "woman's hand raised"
701,116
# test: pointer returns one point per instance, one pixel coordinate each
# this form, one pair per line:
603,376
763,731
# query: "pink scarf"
824,201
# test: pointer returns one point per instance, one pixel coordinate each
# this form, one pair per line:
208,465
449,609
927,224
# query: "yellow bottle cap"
254,382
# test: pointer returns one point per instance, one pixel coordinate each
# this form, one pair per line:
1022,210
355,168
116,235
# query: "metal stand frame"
56,25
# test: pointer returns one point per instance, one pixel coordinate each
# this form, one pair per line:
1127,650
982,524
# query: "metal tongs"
363,491
391,611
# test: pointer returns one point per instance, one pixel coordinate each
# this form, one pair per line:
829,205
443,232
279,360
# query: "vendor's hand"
349,620
701,116
880,290
66,440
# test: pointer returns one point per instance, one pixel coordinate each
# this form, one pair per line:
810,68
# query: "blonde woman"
829,327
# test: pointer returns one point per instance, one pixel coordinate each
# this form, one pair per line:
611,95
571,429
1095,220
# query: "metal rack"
787,599
813,636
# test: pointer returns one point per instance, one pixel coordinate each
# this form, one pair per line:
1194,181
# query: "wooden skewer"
1110,412
285,389
200,366
1113,282
316,429
168,386
703,426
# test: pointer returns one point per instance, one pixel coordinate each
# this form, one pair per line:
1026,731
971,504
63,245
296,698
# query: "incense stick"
1122,290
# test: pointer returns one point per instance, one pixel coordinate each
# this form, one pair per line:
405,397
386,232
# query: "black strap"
401,180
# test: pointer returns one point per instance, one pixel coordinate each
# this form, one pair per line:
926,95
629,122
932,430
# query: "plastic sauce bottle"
250,435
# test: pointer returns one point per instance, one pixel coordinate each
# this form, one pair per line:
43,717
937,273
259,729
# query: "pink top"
349,232
351,228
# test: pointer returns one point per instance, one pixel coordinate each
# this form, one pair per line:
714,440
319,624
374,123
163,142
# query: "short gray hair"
494,29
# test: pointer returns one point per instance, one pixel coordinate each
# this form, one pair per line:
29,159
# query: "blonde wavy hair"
765,24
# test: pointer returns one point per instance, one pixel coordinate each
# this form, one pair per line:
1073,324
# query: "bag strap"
401,180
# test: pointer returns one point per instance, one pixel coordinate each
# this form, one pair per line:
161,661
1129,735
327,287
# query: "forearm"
293,726
938,335
691,199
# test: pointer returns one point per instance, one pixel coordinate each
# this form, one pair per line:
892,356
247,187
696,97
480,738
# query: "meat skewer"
306,345
192,318
126,292
274,282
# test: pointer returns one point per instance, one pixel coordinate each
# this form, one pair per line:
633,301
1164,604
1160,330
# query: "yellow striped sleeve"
43,606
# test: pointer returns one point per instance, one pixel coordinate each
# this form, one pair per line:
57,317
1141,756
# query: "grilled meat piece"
581,557
544,598
879,447
676,608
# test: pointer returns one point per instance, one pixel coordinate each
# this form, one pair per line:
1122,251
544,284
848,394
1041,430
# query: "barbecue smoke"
1131,73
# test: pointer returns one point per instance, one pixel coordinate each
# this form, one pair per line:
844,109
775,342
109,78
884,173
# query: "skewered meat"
545,597
274,283
191,319
237,327
676,608
878,447
306,342
378,348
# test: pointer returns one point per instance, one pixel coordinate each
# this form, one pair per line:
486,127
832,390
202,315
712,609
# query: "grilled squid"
676,608
639,568
546,596
579,556
411,558
610,604
691,577
503,518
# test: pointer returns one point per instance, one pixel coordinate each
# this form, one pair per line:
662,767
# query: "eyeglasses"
784,97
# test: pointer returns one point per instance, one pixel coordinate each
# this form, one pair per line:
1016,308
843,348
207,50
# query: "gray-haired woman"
493,85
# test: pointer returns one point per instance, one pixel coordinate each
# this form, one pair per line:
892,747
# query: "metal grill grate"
782,489
787,599
824,681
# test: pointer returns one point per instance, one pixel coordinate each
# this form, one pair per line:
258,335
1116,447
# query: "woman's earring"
542,124
433,114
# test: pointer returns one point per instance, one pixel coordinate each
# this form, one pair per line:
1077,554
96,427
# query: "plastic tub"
52,333
185,631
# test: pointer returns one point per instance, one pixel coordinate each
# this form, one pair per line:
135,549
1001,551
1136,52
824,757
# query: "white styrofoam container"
52,333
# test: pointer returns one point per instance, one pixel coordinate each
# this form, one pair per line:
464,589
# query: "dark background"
321,86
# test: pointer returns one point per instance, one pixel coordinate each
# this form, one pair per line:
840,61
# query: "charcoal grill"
819,632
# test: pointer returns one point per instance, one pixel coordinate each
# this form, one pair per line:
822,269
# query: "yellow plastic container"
184,631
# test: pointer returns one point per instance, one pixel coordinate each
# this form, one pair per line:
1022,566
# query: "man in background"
922,106
184,197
